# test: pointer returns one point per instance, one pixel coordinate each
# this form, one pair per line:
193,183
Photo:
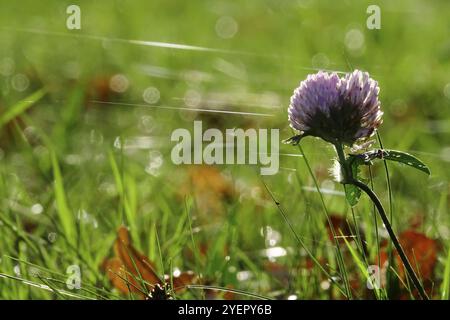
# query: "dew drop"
37,208
226,27
20,82
151,95
119,83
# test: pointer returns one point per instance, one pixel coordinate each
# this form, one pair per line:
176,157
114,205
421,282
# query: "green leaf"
353,193
406,158
21,107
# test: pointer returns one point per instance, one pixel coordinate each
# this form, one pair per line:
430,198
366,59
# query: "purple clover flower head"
338,110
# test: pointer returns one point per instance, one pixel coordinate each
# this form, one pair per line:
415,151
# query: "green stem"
392,235
349,179
342,159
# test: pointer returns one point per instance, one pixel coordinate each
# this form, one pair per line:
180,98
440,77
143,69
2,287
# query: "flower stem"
349,179
392,235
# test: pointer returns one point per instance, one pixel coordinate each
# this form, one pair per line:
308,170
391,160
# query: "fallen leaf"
422,253
420,250
209,188
131,271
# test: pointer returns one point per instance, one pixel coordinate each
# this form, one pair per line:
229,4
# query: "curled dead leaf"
131,271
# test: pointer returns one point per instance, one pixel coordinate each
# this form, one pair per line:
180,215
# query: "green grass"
72,170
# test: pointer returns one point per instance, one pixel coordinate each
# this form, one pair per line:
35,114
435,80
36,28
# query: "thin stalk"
340,259
375,222
392,235
349,179
391,210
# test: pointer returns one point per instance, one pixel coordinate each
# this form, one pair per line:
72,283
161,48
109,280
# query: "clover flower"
338,110
346,111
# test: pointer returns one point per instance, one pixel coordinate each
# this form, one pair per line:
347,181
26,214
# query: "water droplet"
146,124
274,252
192,98
272,236
176,272
232,269
151,95
325,285
37,208
20,82
354,41
243,275
16,270
119,83
226,27
320,61
399,107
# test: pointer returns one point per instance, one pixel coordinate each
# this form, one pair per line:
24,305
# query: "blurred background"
86,118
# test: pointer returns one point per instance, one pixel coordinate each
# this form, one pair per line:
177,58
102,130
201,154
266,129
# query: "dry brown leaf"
209,188
420,250
422,254
129,268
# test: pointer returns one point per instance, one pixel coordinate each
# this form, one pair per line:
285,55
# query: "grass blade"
64,213
445,287
21,107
